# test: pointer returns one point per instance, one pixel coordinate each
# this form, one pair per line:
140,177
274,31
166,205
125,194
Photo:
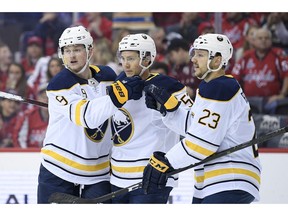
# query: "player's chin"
74,68
197,73
130,74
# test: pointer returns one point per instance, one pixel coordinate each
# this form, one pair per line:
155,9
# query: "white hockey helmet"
75,35
214,43
139,42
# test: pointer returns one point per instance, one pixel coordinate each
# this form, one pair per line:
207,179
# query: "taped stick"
62,198
21,99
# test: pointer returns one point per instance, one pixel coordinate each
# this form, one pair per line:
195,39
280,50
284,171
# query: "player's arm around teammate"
76,149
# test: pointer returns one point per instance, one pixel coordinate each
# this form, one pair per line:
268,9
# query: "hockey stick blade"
21,99
61,197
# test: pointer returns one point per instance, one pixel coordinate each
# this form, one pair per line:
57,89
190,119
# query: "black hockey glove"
154,175
127,89
153,104
159,99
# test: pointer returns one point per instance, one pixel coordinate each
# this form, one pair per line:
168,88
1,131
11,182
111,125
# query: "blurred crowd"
29,59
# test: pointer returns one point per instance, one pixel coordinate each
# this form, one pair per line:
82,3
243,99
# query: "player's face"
199,60
74,57
130,62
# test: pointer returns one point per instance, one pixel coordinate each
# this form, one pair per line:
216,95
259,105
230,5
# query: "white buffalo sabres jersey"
78,138
221,120
138,131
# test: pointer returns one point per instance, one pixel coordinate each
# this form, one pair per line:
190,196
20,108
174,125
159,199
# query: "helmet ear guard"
59,52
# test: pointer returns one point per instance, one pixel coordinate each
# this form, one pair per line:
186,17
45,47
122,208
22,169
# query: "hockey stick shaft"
66,198
216,155
22,99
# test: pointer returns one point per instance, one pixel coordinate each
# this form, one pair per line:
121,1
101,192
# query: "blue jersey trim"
221,89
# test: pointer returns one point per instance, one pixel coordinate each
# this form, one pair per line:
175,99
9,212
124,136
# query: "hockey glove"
154,175
153,104
159,99
127,89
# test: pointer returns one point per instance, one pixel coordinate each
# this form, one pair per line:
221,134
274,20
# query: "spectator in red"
30,128
34,51
17,83
182,67
205,27
235,25
248,43
39,74
5,61
9,113
97,24
45,68
55,65
263,72
17,80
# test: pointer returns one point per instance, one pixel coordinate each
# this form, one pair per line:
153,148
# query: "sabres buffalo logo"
97,134
122,127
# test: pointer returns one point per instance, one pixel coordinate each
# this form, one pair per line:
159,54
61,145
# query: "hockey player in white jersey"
76,149
138,131
221,119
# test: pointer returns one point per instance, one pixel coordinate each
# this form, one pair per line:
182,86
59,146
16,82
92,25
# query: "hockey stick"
21,99
62,198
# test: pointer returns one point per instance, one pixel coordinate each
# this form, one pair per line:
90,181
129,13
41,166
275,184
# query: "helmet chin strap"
143,67
209,70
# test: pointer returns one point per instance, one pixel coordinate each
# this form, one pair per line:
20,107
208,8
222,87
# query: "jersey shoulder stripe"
221,89
66,79
103,73
63,80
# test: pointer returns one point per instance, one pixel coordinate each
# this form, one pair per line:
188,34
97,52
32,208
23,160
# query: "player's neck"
214,75
87,74
145,75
